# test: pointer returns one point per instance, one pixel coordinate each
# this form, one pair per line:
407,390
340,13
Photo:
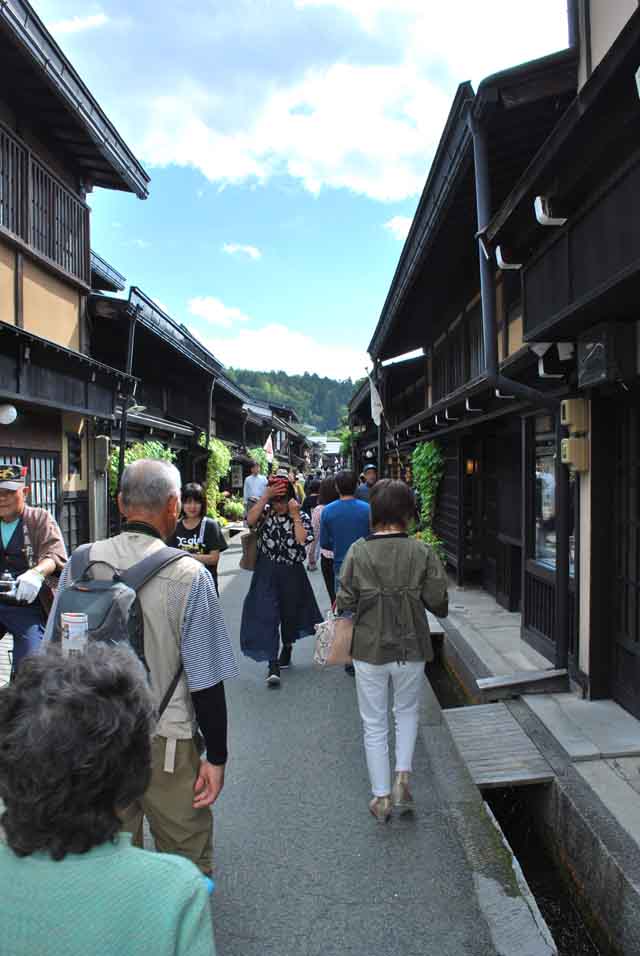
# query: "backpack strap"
164,703
139,574
80,560
203,530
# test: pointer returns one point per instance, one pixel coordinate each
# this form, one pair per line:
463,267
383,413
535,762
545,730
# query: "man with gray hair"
184,632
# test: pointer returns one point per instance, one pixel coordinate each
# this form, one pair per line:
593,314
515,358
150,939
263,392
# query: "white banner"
376,403
268,448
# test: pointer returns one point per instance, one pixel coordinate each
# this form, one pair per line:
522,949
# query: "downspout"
494,378
517,389
125,408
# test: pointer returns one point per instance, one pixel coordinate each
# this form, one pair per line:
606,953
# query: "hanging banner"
268,448
376,403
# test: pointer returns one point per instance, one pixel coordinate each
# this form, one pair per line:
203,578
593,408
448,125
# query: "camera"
8,586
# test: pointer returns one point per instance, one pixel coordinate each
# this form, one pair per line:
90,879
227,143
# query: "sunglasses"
280,499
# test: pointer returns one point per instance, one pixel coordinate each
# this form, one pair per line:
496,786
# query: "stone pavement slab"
588,729
302,869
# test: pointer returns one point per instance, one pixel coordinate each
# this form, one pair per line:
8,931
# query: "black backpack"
112,606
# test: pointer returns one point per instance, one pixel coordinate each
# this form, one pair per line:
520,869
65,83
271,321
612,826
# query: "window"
74,455
545,497
42,476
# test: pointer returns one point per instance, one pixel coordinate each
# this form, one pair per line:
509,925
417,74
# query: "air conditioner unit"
607,354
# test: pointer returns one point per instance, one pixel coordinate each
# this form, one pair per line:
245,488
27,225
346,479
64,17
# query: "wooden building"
518,282
56,145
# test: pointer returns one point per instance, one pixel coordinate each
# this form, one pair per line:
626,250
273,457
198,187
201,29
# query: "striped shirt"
207,653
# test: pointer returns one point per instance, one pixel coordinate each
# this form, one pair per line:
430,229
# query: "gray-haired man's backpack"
113,610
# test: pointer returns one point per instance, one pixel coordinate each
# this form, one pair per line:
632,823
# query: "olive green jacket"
386,582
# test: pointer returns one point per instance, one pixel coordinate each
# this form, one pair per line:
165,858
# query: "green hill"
318,401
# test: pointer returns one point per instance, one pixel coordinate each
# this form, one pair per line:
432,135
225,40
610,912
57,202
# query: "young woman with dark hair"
326,494
386,582
198,534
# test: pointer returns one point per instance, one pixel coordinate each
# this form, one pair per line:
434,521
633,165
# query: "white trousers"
372,685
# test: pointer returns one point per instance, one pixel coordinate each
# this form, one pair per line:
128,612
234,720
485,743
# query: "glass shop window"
545,498
74,455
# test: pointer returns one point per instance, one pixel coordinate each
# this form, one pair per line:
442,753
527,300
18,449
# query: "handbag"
249,557
333,641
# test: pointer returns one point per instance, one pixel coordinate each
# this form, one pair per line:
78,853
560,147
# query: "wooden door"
626,597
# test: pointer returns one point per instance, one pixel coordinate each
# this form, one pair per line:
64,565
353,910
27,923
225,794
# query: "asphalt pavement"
302,869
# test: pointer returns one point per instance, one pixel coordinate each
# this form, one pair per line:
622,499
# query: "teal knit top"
115,900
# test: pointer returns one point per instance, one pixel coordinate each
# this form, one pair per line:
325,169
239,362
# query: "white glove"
29,585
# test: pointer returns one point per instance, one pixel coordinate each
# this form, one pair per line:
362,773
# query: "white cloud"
344,94
399,226
140,243
79,24
276,347
232,248
215,312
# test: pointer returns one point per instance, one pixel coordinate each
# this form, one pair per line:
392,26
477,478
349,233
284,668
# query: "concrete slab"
573,741
612,788
588,729
629,769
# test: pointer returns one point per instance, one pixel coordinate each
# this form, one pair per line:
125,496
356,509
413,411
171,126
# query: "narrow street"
301,867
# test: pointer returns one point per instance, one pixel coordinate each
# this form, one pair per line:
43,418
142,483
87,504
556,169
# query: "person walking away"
76,745
387,581
197,533
342,523
309,504
328,493
185,635
370,473
33,552
254,485
280,604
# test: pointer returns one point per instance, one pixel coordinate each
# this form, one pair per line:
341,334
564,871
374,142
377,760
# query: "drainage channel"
512,807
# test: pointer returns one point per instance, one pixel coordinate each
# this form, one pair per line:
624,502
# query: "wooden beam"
19,290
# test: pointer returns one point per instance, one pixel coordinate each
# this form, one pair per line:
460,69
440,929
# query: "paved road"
302,867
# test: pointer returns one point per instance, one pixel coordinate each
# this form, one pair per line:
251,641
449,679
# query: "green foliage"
218,465
233,508
140,449
260,455
345,435
427,466
320,402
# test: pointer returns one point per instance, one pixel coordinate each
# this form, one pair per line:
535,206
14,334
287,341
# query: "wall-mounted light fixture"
8,414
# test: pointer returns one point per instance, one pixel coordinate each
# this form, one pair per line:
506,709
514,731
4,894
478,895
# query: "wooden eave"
581,145
36,75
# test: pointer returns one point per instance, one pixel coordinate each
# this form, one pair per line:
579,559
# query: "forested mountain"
317,401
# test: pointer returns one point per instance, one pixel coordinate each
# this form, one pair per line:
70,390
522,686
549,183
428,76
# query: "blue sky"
287,142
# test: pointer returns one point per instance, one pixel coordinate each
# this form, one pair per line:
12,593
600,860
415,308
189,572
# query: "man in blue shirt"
344,521
370,473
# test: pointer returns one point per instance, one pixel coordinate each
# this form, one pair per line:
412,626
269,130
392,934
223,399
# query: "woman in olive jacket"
386,582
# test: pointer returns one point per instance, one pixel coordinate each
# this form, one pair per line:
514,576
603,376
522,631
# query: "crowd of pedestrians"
133,726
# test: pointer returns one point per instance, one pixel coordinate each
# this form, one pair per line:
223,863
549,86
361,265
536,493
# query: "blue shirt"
362,491
8,527
342,523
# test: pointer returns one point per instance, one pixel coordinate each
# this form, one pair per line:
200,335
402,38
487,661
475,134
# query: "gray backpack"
111,604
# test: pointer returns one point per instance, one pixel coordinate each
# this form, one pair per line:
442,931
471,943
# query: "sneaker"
273,674
285,656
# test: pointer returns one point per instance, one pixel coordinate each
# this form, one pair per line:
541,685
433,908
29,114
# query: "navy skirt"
280,604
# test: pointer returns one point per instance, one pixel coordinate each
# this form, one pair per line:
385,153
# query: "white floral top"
277,540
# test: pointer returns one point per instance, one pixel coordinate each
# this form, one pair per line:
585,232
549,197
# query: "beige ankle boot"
380,807
400,793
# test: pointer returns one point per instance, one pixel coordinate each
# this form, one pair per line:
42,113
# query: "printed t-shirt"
188,539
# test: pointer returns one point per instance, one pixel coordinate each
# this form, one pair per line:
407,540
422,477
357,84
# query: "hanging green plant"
260,455
218,464
427,466
139,449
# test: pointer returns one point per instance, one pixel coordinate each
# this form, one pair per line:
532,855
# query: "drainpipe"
125,407
487,278
517,389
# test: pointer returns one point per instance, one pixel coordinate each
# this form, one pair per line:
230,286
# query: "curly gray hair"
75,746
